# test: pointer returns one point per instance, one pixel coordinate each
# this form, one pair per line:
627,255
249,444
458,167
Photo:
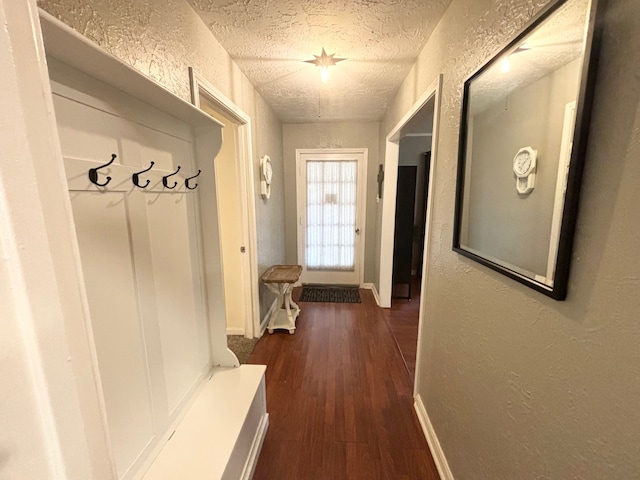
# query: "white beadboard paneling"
103,235
173,275
149,272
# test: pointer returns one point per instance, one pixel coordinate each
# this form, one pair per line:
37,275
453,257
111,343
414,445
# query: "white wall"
331,135
518,385
51,425
162,39
270,214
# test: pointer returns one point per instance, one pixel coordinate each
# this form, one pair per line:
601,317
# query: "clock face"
522,163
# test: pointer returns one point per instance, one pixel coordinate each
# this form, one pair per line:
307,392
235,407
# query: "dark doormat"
242,347
330,294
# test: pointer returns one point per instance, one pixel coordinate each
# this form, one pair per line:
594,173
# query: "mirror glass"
521,116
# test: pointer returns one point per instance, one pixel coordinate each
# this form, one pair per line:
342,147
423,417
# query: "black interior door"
403,238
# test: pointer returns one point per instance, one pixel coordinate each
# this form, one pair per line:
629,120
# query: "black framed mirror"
523,138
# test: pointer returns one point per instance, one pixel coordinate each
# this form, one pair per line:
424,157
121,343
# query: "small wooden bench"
280,279
221,434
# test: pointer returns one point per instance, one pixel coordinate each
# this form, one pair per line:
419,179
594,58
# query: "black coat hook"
186,182
93,172
164,179
135,178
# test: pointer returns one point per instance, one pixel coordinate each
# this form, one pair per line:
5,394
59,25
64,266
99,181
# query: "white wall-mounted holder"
524,166
266,175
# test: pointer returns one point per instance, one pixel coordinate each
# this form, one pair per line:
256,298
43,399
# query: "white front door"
331,190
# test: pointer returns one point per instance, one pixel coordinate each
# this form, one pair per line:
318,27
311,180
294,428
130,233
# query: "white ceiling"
270,39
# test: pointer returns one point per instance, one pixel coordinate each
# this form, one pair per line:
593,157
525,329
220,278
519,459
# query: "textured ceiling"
270,39
553,44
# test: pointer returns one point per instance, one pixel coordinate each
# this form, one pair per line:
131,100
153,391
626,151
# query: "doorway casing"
392,150
201,87
389,206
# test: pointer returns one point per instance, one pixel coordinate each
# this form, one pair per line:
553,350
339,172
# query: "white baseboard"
235,331
265,320
254,453
372,287
432,440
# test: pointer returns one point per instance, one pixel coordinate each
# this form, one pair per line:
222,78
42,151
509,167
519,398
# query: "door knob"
357,231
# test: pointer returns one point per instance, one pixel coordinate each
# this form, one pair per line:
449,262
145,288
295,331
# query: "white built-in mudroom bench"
139,164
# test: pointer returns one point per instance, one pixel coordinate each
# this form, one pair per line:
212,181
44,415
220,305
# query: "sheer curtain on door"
331,214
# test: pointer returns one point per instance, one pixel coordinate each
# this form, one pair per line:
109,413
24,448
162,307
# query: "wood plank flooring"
403,319
339,399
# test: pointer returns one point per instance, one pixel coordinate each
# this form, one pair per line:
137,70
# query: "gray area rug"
241,346
330,294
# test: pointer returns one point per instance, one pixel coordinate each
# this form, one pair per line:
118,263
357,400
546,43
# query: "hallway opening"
234,183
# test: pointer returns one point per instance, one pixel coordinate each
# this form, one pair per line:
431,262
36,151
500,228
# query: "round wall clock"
524,166
266,174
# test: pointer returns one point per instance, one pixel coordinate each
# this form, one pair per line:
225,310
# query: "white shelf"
69,47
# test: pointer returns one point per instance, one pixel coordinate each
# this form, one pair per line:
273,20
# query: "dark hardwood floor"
403,320
339,399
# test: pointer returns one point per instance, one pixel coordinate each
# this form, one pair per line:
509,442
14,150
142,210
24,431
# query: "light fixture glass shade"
324,73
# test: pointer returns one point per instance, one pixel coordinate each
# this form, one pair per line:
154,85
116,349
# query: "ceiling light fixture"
505,66
324,61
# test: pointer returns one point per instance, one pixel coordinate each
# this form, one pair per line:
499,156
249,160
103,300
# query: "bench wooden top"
282,274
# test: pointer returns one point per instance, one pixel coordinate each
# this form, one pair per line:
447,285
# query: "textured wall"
162,38
518,385
271,243
331,135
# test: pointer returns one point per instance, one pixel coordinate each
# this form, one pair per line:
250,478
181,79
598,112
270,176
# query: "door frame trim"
362,200
389,208
568,127
392,151
244,152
